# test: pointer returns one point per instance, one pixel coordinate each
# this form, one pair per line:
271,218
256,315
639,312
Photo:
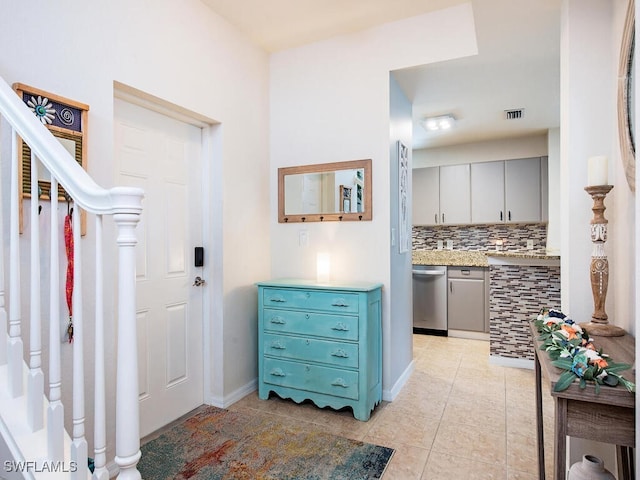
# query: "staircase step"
27,450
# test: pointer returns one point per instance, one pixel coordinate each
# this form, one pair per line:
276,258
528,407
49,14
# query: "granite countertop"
474,258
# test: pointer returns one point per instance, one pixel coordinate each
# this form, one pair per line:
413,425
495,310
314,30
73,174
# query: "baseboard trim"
511,362
233,397
390,395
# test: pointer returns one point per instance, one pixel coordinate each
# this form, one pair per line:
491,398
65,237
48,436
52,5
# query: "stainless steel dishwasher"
430,299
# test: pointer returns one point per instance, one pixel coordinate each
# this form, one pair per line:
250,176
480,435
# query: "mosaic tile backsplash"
481,237
536,286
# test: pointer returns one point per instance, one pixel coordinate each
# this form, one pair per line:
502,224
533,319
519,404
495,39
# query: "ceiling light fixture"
441,122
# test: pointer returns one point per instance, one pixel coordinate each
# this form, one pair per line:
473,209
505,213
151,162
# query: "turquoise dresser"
322,343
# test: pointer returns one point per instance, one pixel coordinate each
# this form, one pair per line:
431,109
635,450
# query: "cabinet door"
487,192
466,304
426,193
522,190
455,195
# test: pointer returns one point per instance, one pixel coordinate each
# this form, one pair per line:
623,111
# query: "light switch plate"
449,244
439,244
303,238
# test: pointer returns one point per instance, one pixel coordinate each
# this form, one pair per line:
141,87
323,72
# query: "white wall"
330,102
553,188
590,51
590,45
487,151
183,53
401,291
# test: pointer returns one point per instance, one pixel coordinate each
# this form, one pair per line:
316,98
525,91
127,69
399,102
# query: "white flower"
42,109
591,354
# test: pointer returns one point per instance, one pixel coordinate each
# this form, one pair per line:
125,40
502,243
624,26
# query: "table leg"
560,440
626,467
539,418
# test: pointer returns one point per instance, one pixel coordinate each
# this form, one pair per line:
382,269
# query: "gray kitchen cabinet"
426,196
487,192
455,194
467,299
510,191
523,190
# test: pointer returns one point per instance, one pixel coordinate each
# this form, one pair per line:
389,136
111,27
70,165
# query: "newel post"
127,407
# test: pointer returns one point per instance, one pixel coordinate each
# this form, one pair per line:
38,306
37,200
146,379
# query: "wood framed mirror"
339,191
626,98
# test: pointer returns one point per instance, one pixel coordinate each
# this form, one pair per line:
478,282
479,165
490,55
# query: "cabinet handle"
451,287
443,218
277,372
341,327
339,302
436,217
340,353
278,320
278,345
509,215
278,299
339,382
501,215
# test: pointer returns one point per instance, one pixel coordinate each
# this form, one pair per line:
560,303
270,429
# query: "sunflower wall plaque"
67,121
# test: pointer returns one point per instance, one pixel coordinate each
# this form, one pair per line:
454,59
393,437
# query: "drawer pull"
277,372
278,345
340,353
341,327
339,302
339,382
277,299
278,320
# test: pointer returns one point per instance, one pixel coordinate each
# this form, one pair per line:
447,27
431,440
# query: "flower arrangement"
571,349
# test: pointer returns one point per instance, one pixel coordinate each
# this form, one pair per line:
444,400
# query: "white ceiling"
518,64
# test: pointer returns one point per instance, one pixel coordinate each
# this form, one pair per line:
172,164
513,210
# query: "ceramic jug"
590,468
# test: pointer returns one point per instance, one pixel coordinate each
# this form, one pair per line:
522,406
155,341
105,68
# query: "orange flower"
571,333
600,362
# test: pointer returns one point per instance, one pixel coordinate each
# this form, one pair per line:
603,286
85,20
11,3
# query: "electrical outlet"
529,244
449,244
440,244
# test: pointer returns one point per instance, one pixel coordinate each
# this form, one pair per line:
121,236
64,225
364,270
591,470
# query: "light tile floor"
458,417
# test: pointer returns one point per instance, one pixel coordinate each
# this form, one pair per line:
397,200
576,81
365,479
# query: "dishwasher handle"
429,273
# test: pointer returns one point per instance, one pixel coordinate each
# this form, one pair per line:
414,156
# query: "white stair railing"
124,205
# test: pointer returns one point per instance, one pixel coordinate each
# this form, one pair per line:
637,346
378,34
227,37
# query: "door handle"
198,282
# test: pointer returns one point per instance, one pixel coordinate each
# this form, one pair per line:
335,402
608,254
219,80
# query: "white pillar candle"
597,171
323,267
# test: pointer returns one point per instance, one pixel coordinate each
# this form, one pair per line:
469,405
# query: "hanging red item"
68,243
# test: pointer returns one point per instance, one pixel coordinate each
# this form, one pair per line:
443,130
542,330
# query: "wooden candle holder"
599,268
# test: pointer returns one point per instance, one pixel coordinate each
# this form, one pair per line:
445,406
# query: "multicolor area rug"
217,444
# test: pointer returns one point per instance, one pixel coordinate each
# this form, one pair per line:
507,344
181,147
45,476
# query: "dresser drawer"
338,302
312,324
312,378
311,349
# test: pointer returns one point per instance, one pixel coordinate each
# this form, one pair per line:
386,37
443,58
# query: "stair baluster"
79,448
99,427
14,359
35,384
55,411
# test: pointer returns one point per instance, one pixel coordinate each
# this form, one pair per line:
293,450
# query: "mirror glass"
331,191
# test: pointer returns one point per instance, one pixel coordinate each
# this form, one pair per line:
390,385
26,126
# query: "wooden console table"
608,416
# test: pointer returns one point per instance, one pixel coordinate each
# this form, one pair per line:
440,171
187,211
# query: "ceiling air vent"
514,114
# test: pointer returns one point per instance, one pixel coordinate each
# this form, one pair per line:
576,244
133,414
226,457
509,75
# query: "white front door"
163,156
